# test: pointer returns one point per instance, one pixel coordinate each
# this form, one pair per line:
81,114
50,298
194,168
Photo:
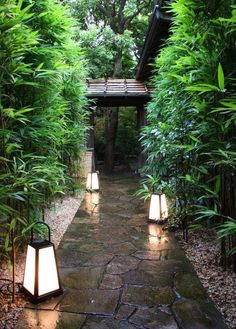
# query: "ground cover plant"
190,138
42,114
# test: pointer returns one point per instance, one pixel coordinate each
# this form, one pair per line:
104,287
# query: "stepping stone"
86,246
125,248
191,314
82,277
89,219
147,296
146,278
99,260
171,266
107,323
153,243
70,258
174,254
111,282
189,286
122,264
152,318
78,230
93,301
149,255
113,220
140,219
124,312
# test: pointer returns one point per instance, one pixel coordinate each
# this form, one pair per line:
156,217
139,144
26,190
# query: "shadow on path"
120,272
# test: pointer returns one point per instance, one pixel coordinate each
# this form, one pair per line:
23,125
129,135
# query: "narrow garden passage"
120,272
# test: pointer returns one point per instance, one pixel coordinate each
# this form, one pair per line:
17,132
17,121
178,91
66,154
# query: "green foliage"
42,115
190,139
126,137
149,186
113,34
127,134
226,229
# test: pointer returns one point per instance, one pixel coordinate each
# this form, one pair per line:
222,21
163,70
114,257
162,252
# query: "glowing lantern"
41,278
92,181
158,208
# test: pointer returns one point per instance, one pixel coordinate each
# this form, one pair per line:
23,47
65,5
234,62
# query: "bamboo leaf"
221,79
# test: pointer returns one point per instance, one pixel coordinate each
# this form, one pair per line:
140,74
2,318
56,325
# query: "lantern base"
39,299
157,221
92,190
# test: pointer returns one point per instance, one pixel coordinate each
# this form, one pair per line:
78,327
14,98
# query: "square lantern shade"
41,278
158,208
92,181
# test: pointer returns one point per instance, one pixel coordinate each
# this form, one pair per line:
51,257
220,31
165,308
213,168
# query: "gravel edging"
60,215
203,251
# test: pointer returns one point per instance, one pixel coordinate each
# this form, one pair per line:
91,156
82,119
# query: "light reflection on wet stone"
50,320
119,272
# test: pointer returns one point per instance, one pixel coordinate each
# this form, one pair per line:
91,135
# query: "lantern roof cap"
40,243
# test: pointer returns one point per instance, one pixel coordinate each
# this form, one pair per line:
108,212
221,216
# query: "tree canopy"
112,34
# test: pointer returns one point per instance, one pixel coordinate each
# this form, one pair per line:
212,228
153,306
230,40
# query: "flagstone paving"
117,271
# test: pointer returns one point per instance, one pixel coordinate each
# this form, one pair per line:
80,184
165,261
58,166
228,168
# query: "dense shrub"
190,139
126,136
42,99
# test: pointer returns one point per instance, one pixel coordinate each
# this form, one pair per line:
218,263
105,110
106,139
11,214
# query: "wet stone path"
119,272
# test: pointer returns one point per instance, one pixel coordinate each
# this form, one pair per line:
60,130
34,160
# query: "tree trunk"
110,134
90,138
141,122
118,69
112,122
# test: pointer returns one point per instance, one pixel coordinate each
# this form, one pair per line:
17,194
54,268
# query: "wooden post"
111,124
141,122
90,138
13,266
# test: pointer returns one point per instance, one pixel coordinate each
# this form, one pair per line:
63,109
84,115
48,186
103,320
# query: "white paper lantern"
158,208
41,278
92,181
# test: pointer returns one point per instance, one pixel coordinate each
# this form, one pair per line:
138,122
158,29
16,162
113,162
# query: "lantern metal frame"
37,245
157,220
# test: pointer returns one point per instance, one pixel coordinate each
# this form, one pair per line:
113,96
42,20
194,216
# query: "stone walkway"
120,272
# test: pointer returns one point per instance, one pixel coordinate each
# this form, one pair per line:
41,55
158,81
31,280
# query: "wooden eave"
158,31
